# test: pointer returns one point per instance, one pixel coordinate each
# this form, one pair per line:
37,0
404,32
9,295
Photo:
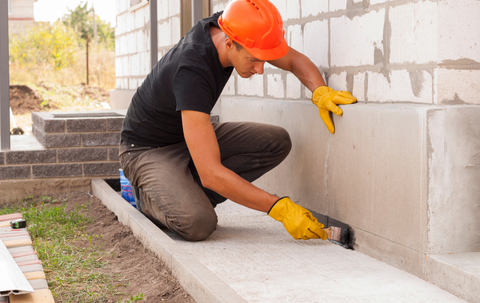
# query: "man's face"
244,63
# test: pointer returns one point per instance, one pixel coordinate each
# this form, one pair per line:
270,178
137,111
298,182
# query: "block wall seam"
356,12
329,50
424,163
265,84
391,241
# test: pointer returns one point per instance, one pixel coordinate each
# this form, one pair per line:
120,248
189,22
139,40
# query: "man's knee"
283,143
196,227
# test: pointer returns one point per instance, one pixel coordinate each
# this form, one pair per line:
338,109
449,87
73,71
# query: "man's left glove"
327,99
299,222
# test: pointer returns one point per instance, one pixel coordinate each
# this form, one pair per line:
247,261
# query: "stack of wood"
22,278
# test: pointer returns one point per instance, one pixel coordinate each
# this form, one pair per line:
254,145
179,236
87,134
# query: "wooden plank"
13,234
38,284
23,254
20,242
26,258
39,296
34,275
30,268
10,217
29,262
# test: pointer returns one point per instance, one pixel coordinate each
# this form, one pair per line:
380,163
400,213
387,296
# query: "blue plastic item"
126,189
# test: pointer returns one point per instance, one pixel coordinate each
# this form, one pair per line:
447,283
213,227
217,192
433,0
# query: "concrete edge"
196,279
453,279
12,191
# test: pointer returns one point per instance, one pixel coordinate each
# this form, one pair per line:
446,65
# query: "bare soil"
28,98
145,272
23,100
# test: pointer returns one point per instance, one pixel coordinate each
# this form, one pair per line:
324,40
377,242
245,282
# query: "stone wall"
73,145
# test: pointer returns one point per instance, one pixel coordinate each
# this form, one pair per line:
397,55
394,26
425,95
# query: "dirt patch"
144,271
23,100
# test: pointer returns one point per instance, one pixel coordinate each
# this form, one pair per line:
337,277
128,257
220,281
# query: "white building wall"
407,62
388,51
132,35
131,39
20,15
410,64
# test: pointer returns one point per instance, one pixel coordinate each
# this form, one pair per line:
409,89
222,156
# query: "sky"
51,10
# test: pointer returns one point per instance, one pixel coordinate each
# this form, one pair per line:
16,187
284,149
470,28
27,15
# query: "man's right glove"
326,99
299,222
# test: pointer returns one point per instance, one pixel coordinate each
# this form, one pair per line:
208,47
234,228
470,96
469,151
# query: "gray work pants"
171,192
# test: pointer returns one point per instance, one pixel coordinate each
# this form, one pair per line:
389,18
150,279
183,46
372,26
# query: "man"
181,163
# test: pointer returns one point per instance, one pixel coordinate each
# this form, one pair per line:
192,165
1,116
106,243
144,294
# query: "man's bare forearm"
302,67
233,187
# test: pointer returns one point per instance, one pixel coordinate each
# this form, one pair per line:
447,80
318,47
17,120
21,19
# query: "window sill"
137,6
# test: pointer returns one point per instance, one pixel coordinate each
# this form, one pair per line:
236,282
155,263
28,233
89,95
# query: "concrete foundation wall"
383,172
454,179
12,191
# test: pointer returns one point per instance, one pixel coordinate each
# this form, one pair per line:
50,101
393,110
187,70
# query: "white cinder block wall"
402,167
411,65
132,45
383,51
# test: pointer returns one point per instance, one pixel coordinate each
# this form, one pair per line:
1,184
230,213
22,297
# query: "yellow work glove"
299,222
327,99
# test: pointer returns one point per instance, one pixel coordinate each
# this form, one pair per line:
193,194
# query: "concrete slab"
251,258
39,296
201,283
256,257
25,142
457,273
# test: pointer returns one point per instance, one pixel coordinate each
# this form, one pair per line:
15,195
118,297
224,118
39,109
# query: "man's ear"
229,45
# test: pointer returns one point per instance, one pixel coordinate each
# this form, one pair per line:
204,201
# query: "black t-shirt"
189,77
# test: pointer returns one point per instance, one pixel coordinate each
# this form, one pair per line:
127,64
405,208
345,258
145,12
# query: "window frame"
138,5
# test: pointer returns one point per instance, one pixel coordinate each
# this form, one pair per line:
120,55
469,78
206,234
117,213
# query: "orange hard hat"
257,26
